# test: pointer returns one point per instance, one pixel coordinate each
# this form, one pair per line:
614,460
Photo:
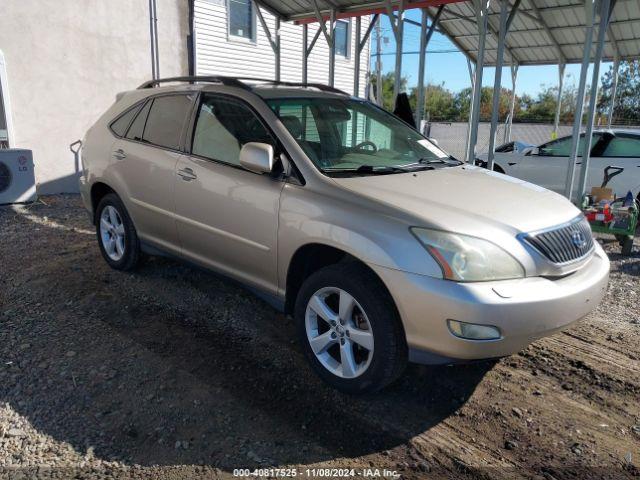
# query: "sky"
451,67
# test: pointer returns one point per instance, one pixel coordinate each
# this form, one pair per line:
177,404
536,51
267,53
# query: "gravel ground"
171,372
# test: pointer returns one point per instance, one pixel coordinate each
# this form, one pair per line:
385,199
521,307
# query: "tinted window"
137,127
342,38
240,18
166,119
562,146
119,127
223,127
623,146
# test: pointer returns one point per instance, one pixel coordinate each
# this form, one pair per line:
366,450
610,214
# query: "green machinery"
611,215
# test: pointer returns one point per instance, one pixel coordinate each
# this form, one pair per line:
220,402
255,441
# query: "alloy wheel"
112,233
339,332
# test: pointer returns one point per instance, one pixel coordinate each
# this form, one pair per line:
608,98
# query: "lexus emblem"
578,240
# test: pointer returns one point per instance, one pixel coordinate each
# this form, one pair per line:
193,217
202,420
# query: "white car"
546,165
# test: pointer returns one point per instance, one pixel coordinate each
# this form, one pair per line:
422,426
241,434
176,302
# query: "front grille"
564,244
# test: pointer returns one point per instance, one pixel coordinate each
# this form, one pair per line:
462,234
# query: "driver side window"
223,126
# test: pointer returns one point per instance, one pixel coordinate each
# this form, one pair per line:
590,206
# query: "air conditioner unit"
17,182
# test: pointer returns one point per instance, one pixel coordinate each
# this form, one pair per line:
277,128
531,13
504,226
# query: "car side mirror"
257,157
531,151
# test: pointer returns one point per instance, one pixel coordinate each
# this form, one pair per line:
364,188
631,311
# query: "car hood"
466,199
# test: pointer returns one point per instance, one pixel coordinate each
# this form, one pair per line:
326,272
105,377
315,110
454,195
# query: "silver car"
383,248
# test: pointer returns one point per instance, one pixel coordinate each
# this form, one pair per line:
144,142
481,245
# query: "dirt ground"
171,372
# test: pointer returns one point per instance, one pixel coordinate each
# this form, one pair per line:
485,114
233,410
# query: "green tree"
439,102
627,101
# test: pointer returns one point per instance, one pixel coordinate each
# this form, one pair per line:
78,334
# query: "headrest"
293,124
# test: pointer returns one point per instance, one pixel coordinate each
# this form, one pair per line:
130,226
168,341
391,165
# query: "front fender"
373,237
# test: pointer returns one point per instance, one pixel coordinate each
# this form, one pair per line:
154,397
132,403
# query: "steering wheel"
366,143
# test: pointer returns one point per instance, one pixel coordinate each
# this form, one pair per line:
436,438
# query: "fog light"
473,331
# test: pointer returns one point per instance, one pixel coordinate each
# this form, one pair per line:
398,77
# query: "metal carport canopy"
543,32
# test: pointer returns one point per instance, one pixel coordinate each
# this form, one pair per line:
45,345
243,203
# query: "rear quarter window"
120,125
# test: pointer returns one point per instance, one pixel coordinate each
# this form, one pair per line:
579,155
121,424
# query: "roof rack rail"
229,81
319,86
238,82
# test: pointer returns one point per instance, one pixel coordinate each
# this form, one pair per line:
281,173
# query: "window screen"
623,146
119,127
165,121
223,127
342,38
240,18
137,127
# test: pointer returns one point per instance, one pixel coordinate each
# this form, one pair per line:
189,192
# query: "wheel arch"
98,192
310,258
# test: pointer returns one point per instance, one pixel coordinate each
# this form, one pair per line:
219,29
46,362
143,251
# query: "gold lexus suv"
384,248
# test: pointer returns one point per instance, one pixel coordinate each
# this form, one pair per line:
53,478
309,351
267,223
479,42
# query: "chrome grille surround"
563,244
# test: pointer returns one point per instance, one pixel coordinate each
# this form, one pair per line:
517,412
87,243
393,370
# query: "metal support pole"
274,42
399,42
378,65
512,109
421,62
153,31
614,89
497,83
356,60
556,122
277,49
605,15
425,38
332,48
481,18
473,91
577,122
305,56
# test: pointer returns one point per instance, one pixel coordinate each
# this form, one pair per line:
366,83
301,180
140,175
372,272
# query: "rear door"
227,216
145,161
621,150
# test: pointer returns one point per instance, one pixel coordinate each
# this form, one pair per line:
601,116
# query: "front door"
227,216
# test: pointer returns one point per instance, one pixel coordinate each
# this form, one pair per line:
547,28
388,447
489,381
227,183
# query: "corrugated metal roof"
542,31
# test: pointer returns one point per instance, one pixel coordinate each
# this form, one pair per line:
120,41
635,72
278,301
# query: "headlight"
468,259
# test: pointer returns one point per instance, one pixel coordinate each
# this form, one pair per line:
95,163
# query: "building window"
342,38
241,19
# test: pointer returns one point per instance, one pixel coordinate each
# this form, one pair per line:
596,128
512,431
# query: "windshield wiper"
369,169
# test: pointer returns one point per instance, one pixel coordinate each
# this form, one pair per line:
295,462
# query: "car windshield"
349,136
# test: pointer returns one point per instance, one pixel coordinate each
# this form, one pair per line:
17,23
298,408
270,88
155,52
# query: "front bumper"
524,309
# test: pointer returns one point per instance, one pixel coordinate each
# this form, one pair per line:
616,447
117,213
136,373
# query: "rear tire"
365,350
117,236
627,245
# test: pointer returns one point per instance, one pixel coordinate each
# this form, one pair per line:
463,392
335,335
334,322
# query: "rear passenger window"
223,127
166,119
119,127
137,127
623,146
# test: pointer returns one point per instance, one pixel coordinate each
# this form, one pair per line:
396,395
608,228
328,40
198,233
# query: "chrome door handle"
119,154
187,174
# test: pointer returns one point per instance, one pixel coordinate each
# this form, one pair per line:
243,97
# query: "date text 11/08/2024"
316,473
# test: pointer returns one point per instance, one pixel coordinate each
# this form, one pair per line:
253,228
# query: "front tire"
117,236
349,329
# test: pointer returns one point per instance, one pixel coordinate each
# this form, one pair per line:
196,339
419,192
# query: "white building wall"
67,59
219,54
